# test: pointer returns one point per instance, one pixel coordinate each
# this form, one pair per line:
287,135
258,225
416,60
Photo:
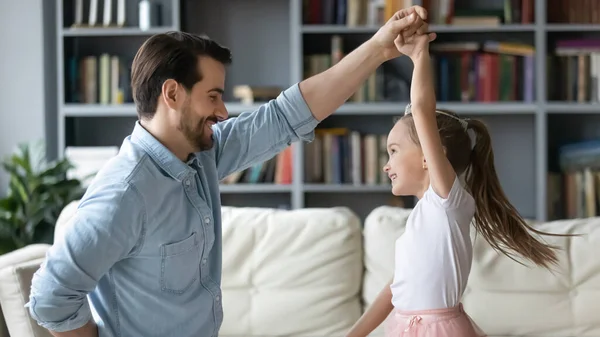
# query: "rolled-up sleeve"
256,136
106,227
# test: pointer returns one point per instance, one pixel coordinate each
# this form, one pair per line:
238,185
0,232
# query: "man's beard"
195,132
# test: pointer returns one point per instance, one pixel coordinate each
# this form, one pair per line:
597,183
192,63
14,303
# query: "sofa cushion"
14,294
510,299
292,273
382,227
503,297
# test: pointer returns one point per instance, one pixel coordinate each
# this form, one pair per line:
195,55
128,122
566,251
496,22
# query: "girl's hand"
415,45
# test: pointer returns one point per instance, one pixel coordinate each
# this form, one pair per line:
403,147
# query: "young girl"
428,149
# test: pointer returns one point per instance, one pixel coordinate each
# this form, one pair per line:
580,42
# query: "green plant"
37,192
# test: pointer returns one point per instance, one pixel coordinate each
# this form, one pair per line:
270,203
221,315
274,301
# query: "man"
142,254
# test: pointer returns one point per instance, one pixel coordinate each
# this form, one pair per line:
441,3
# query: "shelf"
386,108
357,109
238,108
114,31
99,110
346,188
397,108
573,108
255,188
342,29
572,27
128,109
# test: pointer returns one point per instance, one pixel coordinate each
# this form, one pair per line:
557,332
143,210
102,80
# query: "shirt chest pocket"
180,264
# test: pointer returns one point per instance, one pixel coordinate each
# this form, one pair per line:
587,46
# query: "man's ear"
171,94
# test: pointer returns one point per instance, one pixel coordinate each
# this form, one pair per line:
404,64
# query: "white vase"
144,14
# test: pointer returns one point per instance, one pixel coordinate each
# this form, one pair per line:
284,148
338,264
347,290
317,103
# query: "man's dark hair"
172,55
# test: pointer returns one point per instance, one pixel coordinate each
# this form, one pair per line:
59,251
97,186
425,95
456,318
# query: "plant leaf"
19,189
8,204
14,173
37,157
22,163
58,169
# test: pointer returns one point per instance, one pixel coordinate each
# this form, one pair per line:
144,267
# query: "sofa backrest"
291,273
503,297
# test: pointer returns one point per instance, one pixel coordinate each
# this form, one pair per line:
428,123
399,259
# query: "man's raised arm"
326,92
256,136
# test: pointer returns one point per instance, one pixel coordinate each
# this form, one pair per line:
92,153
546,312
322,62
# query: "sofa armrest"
16,257
16,272
14,294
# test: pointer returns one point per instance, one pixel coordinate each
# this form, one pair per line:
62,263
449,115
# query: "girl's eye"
213,98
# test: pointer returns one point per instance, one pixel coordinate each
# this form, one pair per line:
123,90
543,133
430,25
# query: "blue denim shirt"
142,254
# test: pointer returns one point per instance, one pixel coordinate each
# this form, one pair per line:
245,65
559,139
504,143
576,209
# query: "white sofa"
311,272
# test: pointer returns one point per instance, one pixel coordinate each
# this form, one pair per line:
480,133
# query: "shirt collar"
176,168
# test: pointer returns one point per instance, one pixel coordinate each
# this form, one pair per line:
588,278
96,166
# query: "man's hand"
88,330
400,28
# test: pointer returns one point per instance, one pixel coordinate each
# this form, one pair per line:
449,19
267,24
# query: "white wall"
22,94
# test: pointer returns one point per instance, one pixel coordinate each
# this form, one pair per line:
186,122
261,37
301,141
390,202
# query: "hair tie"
464,122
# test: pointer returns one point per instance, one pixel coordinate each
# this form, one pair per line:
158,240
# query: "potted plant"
38,190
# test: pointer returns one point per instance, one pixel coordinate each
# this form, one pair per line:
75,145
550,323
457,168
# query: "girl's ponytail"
495,218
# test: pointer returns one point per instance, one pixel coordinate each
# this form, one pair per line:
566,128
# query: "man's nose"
222,113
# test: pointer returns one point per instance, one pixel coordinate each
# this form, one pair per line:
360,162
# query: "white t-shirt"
434,255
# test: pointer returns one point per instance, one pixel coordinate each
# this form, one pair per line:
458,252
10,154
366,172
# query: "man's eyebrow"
218,90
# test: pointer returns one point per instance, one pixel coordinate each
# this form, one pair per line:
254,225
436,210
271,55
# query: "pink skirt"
451,322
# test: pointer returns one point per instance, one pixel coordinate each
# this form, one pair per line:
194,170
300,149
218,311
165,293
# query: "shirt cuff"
80,318
298,113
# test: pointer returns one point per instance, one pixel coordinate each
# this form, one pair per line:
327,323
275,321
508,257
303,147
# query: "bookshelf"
74,42
270,40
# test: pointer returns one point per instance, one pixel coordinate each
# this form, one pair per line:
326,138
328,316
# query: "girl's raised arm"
423,109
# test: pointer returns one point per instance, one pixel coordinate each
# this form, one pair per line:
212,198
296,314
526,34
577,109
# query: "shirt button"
207,220
218,298
203,261
187,182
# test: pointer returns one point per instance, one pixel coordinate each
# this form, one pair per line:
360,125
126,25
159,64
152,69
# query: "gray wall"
22,72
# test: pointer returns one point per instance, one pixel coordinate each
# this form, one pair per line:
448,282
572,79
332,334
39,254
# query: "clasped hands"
405,33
